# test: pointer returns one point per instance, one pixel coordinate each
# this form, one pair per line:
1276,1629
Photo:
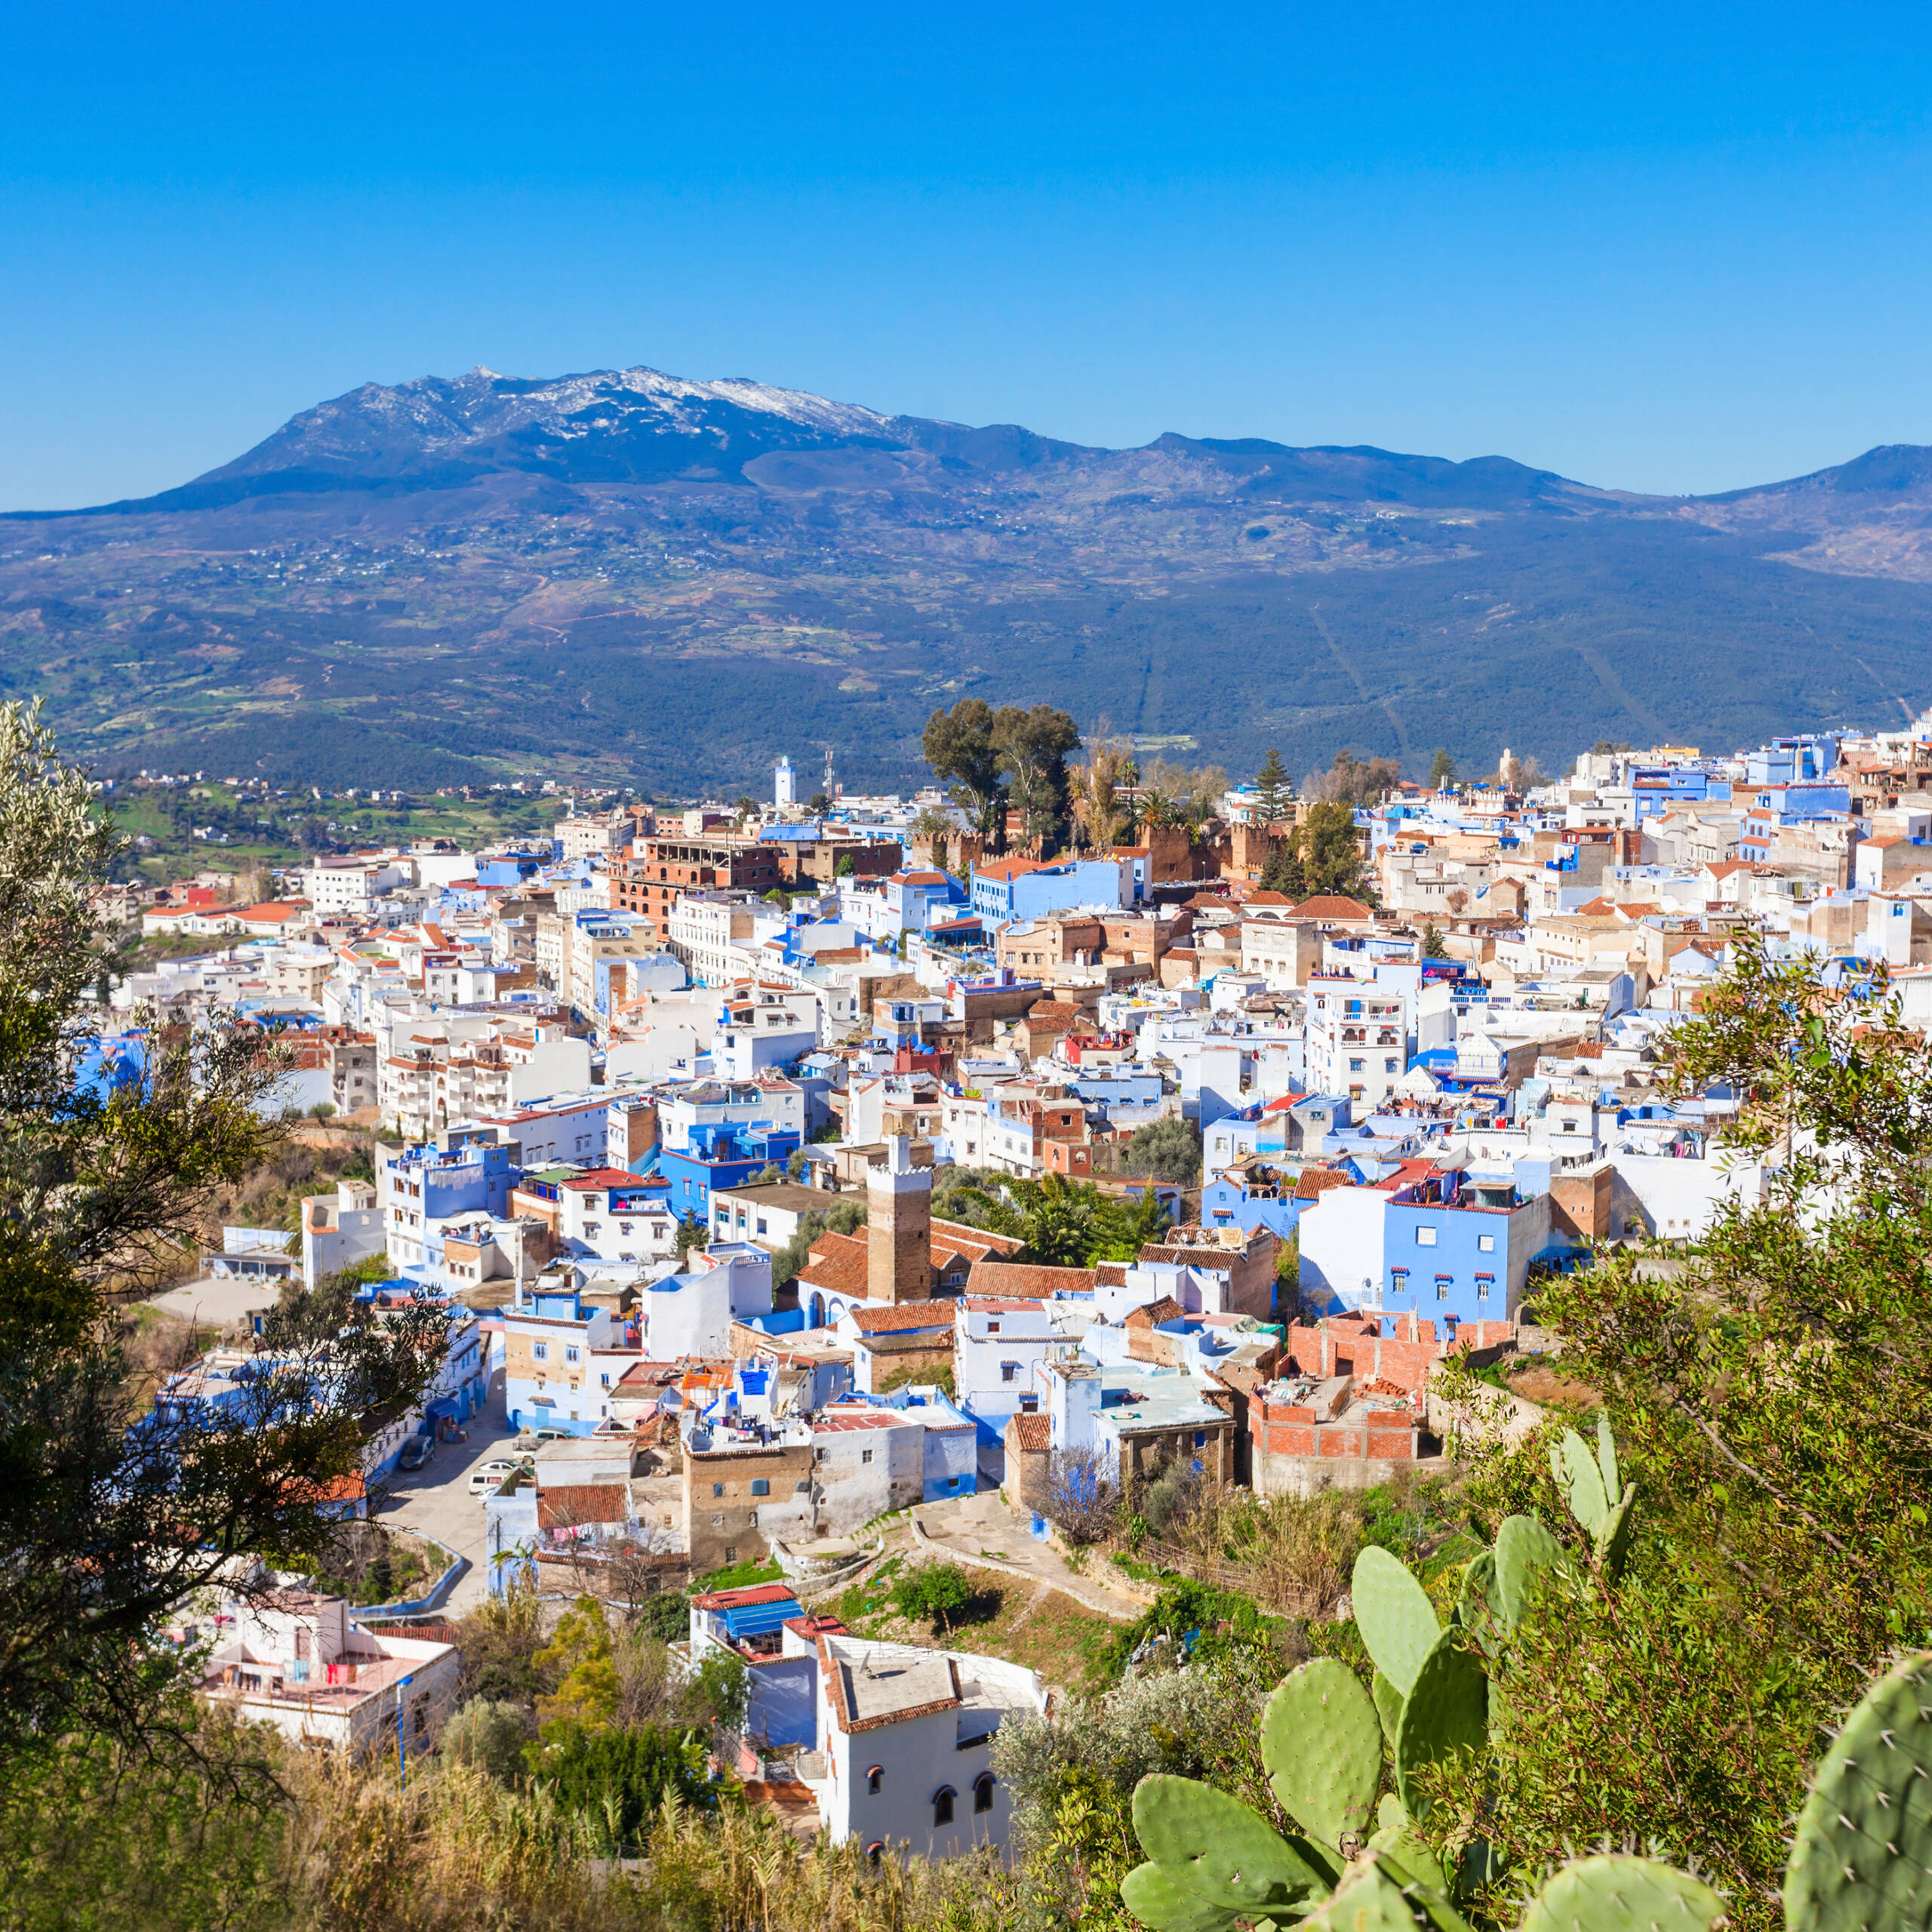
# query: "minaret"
785,785
898,1227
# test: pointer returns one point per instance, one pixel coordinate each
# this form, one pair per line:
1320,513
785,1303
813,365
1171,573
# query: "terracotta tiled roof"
1333,905
976,1244
837,1264
1166,1309
1033,1433
884,1318
1318,1180
742,1599
1028,1281
572,1502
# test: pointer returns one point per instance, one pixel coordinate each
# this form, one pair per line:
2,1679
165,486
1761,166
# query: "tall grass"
92,1846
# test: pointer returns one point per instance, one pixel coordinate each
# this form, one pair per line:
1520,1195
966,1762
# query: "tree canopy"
114,1513
1774,1394
1274,793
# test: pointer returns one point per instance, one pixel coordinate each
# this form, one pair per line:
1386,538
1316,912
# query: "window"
570,1355
1009,1371
1355,1066
1424,1237
1485,1244
942,1806
1443,1283
717,1489
605,1378
761,1486
865,1455
1388,1066
541,1350
1200,1438
983,1792
874,1852
874,1778
717,1522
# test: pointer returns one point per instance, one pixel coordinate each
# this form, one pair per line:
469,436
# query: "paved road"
435,1501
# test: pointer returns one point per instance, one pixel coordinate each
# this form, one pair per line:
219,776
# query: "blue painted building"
1457,1247
1006,889
1790,760
510,868
721,1154
467,1176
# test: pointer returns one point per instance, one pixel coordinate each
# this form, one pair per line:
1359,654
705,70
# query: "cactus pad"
1394,1614
1525,1553
1863,1851
1388,1707
1613,1480
1612,1894
1446,1714
1157,1898
1368,1899
1321,1743
1477,1601
1581,1480
1213,1846
1614,1546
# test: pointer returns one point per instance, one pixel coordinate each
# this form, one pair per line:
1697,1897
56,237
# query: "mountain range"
624,575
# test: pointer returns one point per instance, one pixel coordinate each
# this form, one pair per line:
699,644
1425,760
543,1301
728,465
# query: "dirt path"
981,1532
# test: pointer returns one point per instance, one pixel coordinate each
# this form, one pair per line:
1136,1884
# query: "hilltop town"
817,1184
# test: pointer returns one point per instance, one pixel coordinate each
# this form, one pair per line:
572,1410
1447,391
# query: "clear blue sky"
1666,249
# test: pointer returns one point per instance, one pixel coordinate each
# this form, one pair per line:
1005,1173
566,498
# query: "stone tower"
898,1227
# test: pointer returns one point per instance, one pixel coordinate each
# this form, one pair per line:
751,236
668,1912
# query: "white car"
486,1480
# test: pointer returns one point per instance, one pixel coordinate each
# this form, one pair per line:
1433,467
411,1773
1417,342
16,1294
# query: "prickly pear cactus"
1393,1612
1525,1553
1211,1861
1623,1895
1370,1898
1477,1598
1580,1476
1321,1743
1445,1714
1614,1547
1612,1479
1388,1706
1863,1857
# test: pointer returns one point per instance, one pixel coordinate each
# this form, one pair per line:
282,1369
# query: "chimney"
899,1223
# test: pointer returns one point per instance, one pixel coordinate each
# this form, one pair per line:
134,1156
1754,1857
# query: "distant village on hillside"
788,1165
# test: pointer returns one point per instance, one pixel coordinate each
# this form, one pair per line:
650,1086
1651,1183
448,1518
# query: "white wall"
557,1065
1341,1242
1680,1197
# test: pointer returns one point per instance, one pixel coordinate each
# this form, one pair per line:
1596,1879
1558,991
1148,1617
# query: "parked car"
486,1480
416,1452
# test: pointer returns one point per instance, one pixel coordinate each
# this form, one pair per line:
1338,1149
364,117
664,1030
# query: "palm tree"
1067,1223
1058,1220
1130,1225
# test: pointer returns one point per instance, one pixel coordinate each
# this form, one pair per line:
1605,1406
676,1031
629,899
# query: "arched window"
874,1852
983,1792
873,1776
942,1806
